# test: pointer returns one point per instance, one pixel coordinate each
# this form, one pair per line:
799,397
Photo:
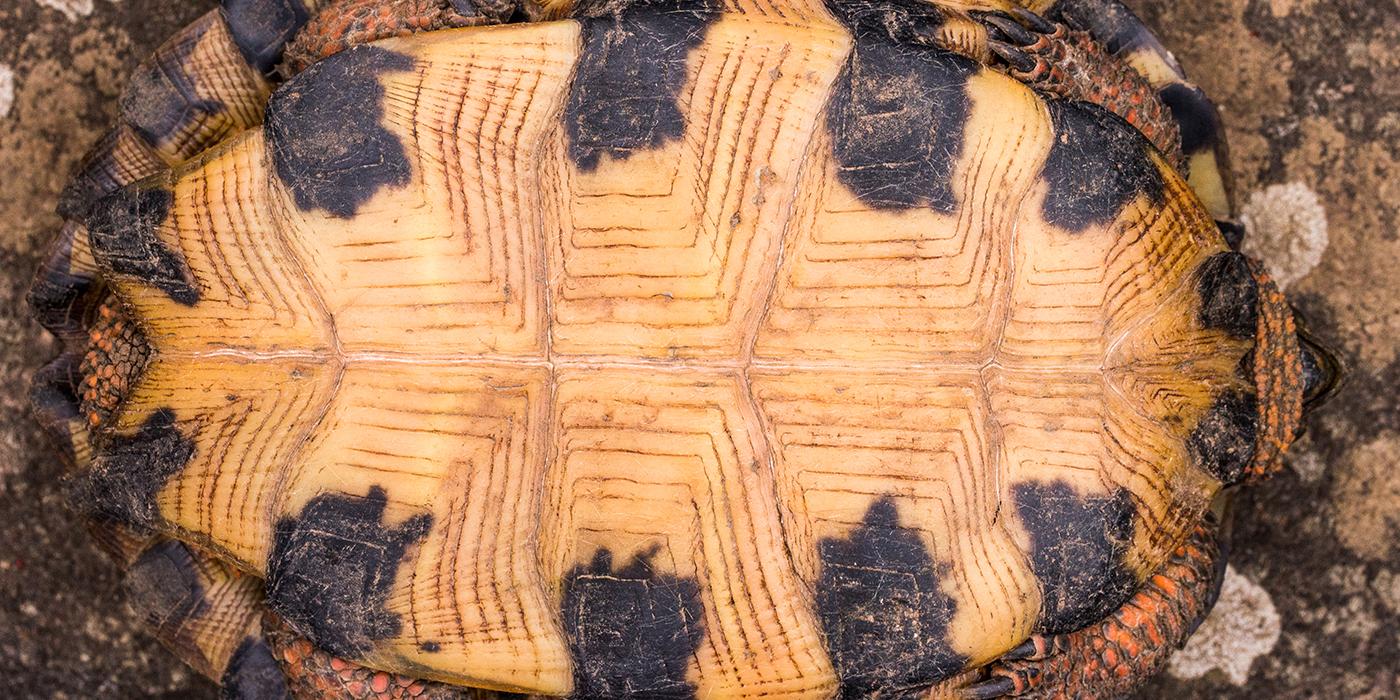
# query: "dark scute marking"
57,297
632,631
1077,548
1223,442
1196,116
54,394
122,229
163,585
1229,295
430,647
130,470
160,99
253,674
625,95
903,21
332,566
1097,165
324,131
1323,373
896,119
262,28
1111,22
882,608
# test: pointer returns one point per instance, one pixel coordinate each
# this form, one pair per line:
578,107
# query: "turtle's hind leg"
1112,657
315,673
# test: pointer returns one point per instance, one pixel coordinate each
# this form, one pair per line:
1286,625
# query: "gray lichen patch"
1243,627
1286,228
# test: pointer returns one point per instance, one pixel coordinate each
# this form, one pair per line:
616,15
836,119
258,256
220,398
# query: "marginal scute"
61,291
896,119
882,607
1224,441
324,132
1096,167
1195,115
253,674
332,566
626,90
632,630
131,469
1077,545
160,100
262,28
163,584
54,395
194,91
1229,295
119,158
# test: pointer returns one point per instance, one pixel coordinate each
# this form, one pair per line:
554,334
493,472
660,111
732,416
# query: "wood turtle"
666,348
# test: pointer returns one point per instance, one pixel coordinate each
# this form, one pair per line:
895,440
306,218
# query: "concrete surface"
1310,92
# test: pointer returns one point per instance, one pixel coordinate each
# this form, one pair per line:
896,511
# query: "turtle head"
1323,373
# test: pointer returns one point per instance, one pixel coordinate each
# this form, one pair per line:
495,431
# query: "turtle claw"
1037,647
1019,60
1005,683
1006,28
989,689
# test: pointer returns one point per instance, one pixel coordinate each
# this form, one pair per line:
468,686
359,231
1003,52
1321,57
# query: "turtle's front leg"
1116,655
345,23
1069,63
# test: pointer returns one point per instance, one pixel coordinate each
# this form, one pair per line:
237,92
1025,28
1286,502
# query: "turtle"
666,348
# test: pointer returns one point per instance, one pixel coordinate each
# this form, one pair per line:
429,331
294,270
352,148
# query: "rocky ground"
1310,90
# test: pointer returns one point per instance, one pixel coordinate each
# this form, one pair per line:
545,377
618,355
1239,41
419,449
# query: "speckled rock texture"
1310,91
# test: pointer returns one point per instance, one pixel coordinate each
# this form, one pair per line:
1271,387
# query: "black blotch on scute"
262,28
163,585
332,566
58,297
430,647
901,21
882,608
160,99
122,228
1195,115
1097,165
625,95
1223,442
54,395
1229,295
632,631
253,674
896,118
1077,545
130,470
323,129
